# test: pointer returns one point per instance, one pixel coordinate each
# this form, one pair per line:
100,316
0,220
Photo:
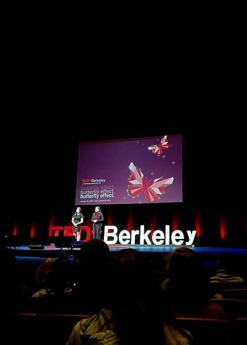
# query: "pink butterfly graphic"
158,149
152,190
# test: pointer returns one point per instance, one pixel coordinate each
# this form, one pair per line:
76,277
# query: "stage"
76,245
36,252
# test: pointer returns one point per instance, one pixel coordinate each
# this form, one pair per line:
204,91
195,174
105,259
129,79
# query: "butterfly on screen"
151,190
158,149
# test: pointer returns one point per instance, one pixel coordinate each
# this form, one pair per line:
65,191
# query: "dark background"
61,86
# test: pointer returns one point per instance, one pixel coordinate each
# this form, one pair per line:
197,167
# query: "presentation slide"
130,171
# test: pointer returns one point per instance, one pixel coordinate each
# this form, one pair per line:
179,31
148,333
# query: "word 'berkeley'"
157,237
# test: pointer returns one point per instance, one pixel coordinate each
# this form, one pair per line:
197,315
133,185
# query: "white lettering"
111,233
191,235
124,237
159,237
133,235
177,237
144,235
167,235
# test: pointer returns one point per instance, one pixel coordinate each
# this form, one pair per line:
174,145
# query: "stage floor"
36,253
46,250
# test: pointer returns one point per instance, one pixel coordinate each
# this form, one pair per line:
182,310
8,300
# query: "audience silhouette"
187,286
130,312
226,268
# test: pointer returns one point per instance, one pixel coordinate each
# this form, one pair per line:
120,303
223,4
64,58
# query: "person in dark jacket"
97,220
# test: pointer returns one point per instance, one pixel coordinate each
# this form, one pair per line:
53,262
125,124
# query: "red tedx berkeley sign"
67,231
